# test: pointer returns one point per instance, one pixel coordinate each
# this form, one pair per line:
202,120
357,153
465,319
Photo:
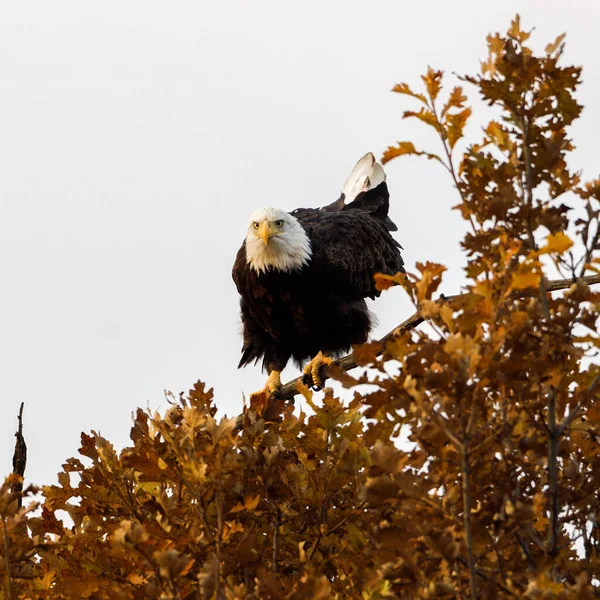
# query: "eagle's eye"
279,223
255,224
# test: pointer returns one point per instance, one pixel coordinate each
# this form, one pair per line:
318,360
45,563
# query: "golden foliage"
496,495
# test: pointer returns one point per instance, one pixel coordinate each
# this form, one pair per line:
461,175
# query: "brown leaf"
424,115
431,278
403,88
456,124
433,82
455,100
525,279
250,503
384,281
406,148
555,45
557,243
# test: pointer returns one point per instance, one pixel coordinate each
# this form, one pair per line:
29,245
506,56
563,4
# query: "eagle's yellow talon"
272,386
313,369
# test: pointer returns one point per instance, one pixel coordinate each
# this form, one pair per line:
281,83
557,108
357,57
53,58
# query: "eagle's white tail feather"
377,176
366,174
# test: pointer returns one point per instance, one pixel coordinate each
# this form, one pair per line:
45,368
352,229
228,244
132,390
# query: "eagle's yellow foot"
271,388
312,372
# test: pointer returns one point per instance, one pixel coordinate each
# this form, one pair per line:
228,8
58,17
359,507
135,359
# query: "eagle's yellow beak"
264,232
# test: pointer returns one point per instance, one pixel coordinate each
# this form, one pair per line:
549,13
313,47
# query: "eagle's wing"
350,238
349,247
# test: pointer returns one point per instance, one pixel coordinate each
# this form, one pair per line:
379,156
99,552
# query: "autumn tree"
497,495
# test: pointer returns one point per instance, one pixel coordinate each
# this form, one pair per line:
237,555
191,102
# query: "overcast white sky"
136,138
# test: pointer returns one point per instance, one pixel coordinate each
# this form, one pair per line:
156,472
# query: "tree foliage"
497,494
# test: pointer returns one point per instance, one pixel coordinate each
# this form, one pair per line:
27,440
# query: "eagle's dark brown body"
320,307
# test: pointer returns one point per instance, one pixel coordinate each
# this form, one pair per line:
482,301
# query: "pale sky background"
136,138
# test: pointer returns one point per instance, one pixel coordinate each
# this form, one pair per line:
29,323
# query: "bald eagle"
303,276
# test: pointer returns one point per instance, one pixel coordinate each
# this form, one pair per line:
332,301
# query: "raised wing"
349,247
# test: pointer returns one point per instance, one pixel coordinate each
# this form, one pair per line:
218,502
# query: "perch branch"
348,362
19,459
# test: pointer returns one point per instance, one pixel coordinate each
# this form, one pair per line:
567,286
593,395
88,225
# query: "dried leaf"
406,148
525,279
555,45
403,88
557,243
433,82
455,100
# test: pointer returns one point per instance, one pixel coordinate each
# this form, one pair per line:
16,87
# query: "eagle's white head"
276,241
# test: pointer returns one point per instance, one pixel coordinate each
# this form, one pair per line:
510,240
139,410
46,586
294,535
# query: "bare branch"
444,427
483,575
526,551
19,459
467,518
529,201
219,539
569,418
276,545
590,249
7,560
553,437
450,165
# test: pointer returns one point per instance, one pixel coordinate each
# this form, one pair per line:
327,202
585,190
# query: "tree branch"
589,251
7,560
526,551
219,539
348,362
467,517
450,165
276,544
569,418
553,437
483,575
19,459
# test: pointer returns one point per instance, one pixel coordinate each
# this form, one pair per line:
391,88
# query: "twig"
488,440
276,545
487,578
219,530
19,460
323,511
553,436
467,518
526,551
590,250
338,525
442,425
7,561
569,418
450,165
529,200
527,159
